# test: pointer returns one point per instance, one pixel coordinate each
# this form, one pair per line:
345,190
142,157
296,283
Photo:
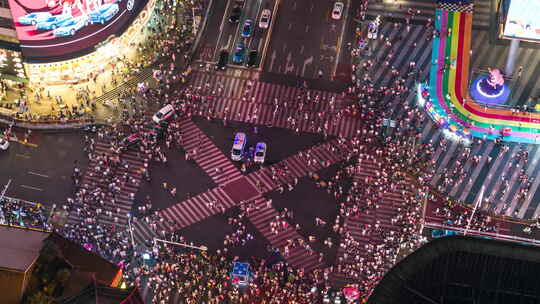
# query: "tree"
63,275
39,298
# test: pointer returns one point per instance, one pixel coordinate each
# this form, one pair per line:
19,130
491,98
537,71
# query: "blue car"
34,18
71,27
53,22
247,28
104,13
239,52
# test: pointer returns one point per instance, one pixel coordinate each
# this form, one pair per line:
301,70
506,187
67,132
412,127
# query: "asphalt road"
305,39
208,45
43,173
178,173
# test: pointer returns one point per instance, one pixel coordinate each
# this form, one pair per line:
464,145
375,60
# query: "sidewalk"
94,101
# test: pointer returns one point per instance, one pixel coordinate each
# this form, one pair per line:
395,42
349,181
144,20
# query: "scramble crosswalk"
216,200
253,102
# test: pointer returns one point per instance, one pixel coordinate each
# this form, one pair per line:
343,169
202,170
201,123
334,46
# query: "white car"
164,114
4,144
260,153
373,29
238,147
337,10
264,22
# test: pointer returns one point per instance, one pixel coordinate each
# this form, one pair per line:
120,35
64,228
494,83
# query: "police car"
238,146
260,153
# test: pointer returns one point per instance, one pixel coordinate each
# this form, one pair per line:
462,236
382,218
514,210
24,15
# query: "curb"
6,120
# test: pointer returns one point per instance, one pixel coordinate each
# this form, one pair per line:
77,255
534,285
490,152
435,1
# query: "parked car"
53,22
164,114
247,28
260,152
252,58
238,147
235,15
239,52
34,18
337,11
4,144
223,60
104,13
71,27
264,22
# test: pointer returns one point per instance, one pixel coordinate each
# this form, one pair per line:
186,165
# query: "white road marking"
221,29
272,59
32,188
340,39
306,62
289,67
38,174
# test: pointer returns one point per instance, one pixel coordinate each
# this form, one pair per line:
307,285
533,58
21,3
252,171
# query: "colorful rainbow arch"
446,97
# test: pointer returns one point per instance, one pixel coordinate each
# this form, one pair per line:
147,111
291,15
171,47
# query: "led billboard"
51,30
523,20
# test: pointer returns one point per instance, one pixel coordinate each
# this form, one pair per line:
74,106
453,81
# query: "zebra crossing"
237,88
364,229
206,154
299,165
197,208
398,9
287,238
182,215
128,173
231,101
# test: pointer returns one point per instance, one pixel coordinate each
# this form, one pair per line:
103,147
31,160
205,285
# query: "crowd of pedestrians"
402,163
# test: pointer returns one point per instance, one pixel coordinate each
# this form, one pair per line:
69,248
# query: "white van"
164,114
238,146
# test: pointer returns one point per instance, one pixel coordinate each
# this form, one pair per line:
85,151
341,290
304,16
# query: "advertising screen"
523,21
61,29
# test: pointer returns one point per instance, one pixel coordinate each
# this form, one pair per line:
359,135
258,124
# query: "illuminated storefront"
106,55
11,64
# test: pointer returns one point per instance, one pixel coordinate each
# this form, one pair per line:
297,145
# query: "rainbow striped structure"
446,97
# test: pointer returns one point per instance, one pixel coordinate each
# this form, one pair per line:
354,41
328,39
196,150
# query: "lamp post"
202,248
131,230
478,201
